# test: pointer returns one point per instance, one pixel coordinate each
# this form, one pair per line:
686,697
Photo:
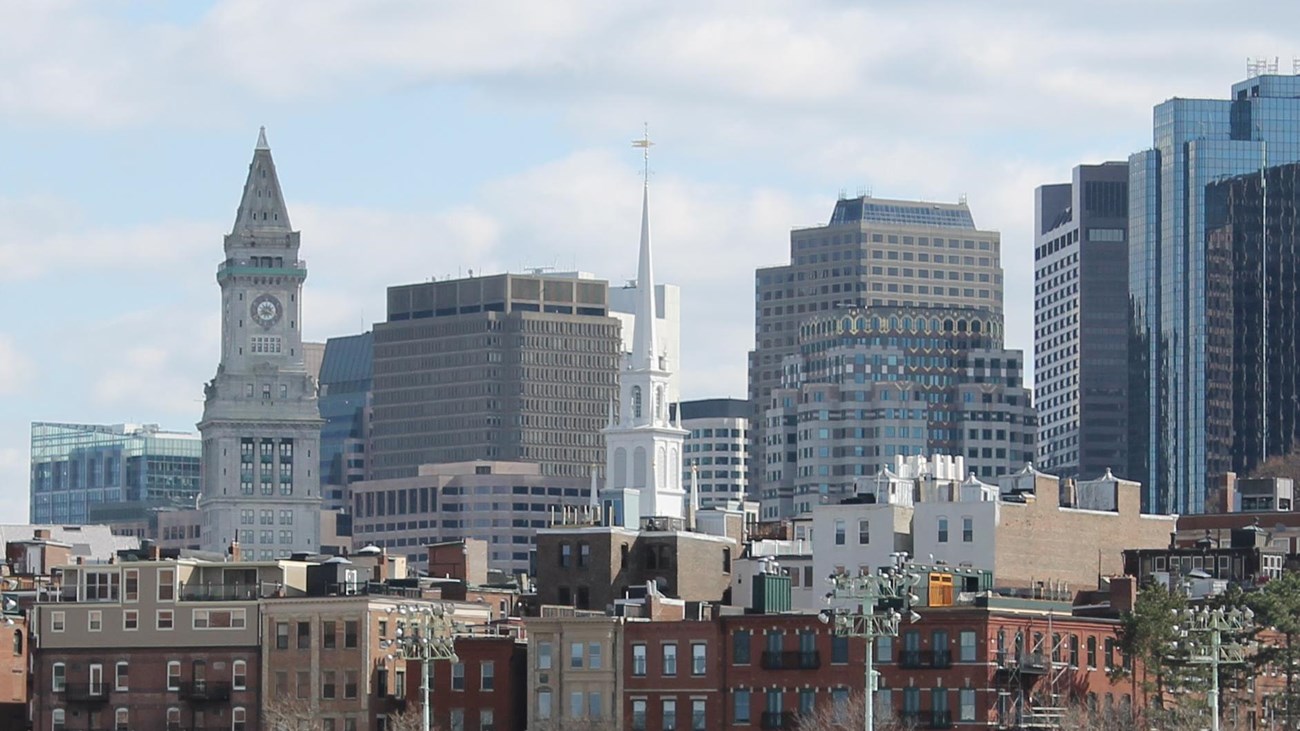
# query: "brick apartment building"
958,667
485,690
188,643
592,566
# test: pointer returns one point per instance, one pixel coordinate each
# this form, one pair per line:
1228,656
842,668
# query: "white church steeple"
643,475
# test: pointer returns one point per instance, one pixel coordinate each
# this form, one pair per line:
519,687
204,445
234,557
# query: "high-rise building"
717,447
120,469
870,385
1081,322
518,368
1253,327
643,447
346,377
261,425
1179,428
874,252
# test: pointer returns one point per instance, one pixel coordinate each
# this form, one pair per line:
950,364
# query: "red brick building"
958,667
670,675
485,691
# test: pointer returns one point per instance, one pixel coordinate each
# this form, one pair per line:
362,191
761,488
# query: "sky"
417,139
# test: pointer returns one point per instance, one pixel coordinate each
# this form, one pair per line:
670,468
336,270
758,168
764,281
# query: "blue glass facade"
1196,142
346,376
76,467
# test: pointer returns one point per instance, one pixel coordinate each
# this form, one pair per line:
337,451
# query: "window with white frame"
173,675
121,676
58,677
58,720
94,620
239,675
58,620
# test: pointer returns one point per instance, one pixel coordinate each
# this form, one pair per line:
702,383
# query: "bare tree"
848,715
409,719
286,713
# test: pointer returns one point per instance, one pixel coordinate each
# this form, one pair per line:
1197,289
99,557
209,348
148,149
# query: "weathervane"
645,144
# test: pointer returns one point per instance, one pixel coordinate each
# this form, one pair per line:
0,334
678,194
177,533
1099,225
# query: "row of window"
164,619
112,585
329,634
96,686
122,719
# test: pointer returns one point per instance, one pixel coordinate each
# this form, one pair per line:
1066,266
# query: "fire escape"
1032,680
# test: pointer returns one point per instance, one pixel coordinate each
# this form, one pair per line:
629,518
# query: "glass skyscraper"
77,468
1176,420
346,377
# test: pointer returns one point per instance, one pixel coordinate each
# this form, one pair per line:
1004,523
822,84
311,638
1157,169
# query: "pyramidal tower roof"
644,351
262,206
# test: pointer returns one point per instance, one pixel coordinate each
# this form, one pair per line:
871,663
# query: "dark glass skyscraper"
1081,322
1253,375
1180,431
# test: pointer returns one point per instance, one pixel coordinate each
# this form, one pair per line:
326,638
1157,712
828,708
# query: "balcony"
924,659
776,720
926,719
223,593
85,693
205,691
791,660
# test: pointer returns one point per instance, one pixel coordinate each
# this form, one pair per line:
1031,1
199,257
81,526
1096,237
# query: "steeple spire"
644,348
262,206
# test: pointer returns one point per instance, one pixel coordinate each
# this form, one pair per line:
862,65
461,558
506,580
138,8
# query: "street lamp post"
871,606
425,632
1204,630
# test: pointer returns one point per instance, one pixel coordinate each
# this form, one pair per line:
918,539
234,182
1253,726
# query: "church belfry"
261,425
643,459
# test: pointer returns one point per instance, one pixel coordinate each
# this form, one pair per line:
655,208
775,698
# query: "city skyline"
488,141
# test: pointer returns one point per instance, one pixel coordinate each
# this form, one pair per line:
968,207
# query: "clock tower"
261,425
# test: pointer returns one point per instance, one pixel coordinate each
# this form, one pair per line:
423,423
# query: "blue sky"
420,139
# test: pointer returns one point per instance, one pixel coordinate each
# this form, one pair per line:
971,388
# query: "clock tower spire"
261,424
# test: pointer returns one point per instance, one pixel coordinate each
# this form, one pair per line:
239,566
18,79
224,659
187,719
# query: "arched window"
636,402
58,717
238,719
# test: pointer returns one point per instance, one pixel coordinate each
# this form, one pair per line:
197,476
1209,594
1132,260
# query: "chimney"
1123,593
236,553
43,534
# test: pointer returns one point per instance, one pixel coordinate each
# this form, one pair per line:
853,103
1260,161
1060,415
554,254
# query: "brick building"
150,644
592,566
575,667
1000,661
485,690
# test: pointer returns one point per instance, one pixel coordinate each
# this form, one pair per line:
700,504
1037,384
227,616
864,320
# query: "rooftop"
902,213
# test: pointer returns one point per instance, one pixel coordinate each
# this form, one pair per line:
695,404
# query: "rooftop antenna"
1295,64
961,199
843,194
862,191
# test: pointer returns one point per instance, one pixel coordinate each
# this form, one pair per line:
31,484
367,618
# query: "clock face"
266,310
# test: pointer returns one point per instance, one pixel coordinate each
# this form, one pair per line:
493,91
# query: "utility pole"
425,632
871,606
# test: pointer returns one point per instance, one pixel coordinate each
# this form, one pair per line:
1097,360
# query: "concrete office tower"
874,384
261,425
874,252
1081,322
1179,437
346,377
85,473
516,368
717,446
643,448
1253,327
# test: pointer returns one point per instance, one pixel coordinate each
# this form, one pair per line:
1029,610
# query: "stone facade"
261,425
